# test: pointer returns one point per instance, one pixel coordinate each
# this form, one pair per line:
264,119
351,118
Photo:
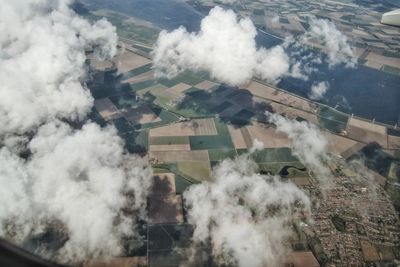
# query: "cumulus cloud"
308,143
274,19
225,47
41,58
245,217
337,44
51,173
81,178
257,145
318,90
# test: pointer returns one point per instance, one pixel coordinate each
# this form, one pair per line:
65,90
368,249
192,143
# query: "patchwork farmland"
191,122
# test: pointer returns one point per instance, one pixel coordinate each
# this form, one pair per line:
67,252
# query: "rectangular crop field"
188,128
175,156
221,154
332,120
198,170
272,155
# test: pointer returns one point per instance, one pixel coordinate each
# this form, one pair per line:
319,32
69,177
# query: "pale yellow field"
302,259
140,116
175,156
107,109
156,89
369,251
100,64
295,24
369,126
205,85
179,88
357,147
357,51
359,32
394,142
300,181
187,128
271,93
176,147
374,58
140,78
237,137
293,113
175,93
199,170
128,61
339,144
367,132
268,135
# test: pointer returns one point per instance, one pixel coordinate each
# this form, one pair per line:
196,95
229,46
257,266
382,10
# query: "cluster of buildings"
354,222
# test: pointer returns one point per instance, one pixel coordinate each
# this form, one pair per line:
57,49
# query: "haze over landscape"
200,132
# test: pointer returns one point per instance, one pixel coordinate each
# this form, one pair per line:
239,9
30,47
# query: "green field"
136,141
165,241
221,141
181,184
168,83
172,167
391,69
393,132
198,95
128,27
184,109
137,71
197,170
144,49
258,12
332,120
221,154
142,85
168,140
164,115
272,155
190,78
166,118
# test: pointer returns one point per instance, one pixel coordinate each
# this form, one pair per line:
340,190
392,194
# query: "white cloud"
275,19
308,143
318,90
80,179
225,47
244,215
257,145
41,59
336,43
